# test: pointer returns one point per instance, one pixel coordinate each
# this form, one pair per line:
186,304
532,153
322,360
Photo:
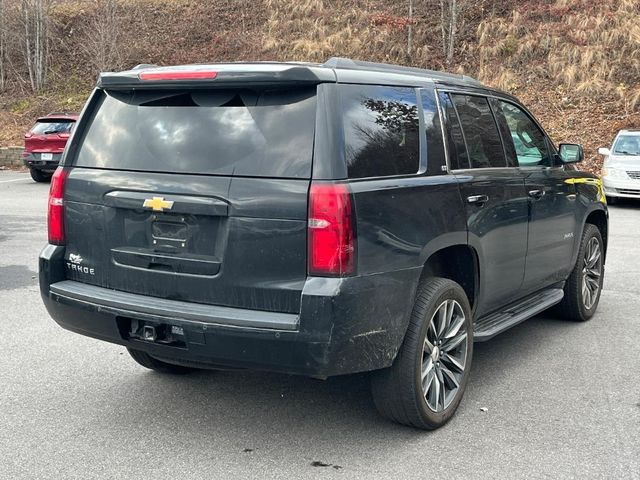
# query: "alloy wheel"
444,355
591,272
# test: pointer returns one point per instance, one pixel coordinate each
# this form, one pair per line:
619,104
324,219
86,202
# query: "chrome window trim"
503,98
445,143
495,122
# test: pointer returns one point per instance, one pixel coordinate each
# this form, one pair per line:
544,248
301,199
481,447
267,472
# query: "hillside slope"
576,63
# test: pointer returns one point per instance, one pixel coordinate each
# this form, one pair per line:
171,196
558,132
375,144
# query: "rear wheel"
425,384
39,175
151,363
582,290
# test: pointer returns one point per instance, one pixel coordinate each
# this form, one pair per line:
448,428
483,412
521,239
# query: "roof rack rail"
140,66
347,63
57,113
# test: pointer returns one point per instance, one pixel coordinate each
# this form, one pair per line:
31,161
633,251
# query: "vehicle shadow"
242,406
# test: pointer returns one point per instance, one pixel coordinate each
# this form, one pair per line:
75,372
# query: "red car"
45,142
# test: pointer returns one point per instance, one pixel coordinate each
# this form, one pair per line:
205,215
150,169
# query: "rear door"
552,223
494,195
194,195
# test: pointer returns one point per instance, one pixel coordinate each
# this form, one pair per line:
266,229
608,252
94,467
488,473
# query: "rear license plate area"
169,233
46,156
163,230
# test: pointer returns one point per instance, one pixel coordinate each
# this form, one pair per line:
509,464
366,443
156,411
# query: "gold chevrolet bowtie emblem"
157,204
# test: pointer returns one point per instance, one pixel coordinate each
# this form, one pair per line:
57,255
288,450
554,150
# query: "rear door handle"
479,199
537,194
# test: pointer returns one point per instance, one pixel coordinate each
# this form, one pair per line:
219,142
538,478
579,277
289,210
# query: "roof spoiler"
223,74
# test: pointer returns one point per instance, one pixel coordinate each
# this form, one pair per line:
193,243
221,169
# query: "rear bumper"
33,160
345,325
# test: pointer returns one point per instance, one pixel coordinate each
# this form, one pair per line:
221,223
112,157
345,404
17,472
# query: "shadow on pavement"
244,404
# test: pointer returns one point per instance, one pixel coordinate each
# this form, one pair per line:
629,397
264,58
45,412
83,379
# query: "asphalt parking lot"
562,399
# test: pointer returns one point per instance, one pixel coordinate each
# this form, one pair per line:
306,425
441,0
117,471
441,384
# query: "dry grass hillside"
576,63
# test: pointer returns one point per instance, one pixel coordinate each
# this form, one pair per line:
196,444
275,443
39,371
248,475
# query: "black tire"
572,306
40,176
151,363
398,391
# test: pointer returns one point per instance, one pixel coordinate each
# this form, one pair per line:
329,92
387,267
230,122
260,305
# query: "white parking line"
14,180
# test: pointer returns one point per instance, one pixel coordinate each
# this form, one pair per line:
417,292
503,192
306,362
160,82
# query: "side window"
505,133
481,135
381,130
528,140
435,148
457,149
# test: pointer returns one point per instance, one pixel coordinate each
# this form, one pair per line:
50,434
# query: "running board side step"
488,327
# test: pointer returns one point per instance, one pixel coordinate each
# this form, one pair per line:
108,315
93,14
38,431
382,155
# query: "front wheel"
584,285
425,384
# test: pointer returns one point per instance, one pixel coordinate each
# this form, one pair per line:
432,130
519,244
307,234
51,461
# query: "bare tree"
410,30
3,46
35,21
450,14
101,36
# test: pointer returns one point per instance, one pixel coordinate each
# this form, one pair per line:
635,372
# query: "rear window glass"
381,130
51,127
225,132
484,146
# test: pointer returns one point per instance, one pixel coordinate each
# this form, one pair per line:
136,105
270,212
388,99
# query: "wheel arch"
458,262
600,220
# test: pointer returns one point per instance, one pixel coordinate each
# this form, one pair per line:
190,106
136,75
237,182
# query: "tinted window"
381,130
433,130
455,140
528,140
481,136
53,126
225,132
505,133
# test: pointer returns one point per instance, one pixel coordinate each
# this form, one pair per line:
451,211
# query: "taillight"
55,219
178,75
63,135
331,236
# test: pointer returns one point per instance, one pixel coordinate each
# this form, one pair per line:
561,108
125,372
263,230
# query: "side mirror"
604,151
571,153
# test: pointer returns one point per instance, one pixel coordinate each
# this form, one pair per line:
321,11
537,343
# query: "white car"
621,168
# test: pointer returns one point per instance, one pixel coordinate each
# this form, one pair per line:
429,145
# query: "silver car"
621,168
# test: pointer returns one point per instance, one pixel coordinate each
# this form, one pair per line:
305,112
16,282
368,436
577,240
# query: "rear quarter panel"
402,221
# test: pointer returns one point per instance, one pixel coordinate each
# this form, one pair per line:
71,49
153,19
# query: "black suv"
317,220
